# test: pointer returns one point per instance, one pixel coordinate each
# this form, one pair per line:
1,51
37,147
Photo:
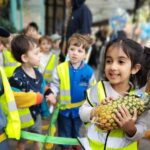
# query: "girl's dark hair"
146,63
20,45
135,52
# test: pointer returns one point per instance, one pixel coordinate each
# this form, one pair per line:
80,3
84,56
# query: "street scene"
74,75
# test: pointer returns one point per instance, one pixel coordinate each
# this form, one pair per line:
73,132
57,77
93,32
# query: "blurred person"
49,58
7,60
32,30
56,41
9,117
80,19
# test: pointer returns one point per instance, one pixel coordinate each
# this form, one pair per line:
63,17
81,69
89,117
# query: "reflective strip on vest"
26,118
97,137
52,63
69,106
10,63
63,73
13,126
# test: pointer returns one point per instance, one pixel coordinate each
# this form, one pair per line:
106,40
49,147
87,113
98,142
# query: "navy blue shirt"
24,82
81,21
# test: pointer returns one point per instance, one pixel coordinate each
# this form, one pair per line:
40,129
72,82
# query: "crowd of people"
35,76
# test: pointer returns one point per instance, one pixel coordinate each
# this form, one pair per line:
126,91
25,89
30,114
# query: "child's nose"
113,66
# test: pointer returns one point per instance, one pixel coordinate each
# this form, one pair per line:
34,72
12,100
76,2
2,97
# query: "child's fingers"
135,115
126,111
107,100
117,120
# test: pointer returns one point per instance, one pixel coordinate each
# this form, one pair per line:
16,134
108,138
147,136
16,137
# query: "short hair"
20,45
78,39
45,38
34,25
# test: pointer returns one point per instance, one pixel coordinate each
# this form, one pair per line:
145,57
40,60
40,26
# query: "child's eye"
80,51
121,62
71,49
108,61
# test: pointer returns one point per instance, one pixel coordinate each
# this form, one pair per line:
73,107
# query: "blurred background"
51,15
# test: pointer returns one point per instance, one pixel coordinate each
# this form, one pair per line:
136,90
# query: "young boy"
70,81
27,78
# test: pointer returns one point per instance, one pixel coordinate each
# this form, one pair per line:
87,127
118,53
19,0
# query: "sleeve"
141,126
85,111
92,81
27,99
47,91
55,84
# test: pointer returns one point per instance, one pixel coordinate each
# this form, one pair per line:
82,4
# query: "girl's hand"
51,99
126,121
107,100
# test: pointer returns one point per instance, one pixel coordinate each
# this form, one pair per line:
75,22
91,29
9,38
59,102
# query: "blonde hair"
78,39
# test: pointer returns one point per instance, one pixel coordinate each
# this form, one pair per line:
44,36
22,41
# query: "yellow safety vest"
13,126
10,64
52,63
65,97
25,117
95,135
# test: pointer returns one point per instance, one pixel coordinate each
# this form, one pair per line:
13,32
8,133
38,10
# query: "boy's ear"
24,58
135,69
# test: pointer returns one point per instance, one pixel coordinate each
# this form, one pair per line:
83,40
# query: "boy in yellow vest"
10,125
70,81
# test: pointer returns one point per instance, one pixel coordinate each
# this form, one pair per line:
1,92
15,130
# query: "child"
70,81
123,59
48,60
27,78
32,30
9,119
56,41
9,63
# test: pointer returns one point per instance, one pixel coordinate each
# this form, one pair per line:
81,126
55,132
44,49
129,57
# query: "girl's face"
118,67
76,54
45,45
32,57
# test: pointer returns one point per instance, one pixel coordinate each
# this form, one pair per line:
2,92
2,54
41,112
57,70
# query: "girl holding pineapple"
123,60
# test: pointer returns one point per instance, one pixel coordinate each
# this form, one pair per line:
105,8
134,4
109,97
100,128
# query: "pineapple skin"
104,114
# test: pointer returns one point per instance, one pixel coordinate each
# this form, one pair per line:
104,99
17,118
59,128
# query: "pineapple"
103,114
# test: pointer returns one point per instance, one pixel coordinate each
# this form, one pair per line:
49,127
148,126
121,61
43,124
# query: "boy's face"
76,54
32,32
45,45
32,57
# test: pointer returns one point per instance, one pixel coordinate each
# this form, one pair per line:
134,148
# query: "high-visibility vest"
95,136
65,96
10,64
47,74
24,114
13,126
